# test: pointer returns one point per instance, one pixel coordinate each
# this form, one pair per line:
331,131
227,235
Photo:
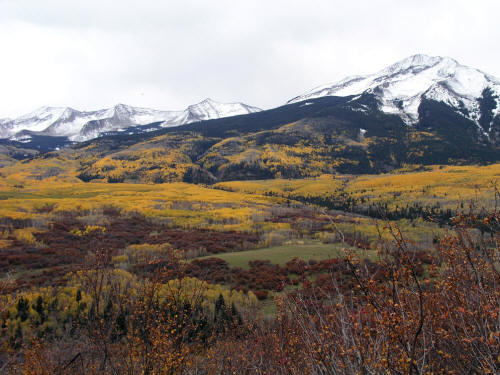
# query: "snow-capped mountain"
401,87
84,125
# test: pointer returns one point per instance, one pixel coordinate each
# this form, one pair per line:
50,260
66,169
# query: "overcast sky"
165,54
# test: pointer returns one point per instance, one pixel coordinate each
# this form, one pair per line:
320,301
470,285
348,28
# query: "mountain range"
84,125
419,111
399,89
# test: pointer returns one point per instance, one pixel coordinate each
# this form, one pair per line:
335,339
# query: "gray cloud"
169,54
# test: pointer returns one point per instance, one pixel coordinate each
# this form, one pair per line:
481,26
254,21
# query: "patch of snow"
357,109
24,138
362,133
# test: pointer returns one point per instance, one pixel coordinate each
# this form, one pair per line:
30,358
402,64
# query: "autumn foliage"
406,313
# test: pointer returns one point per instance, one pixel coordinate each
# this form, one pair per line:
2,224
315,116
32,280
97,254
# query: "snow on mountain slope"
401,87
80,126
37,120
84,125
210,109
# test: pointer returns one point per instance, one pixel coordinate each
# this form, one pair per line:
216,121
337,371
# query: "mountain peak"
122,108
213,103
205,102
209,109
121,105
401,87
208,100
420,62
425,60
44,111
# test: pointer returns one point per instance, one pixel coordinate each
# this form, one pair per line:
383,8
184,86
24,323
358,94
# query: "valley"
354,229
246,214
